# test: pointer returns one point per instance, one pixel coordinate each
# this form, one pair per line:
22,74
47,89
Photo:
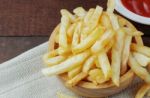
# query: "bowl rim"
130,15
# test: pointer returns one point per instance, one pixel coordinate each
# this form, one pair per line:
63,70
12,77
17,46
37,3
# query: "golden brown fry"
141,59
102,41
76,35
67,13
132,32
116,57
76,79
142,91
88,15
88,42
68,64
70,30
104,64
138,70
105,21
110,6
74,72
125,53
114,21
88,64
95,17
141,49
53,60
63,31
80,12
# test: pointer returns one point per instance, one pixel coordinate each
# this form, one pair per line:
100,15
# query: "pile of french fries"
97,46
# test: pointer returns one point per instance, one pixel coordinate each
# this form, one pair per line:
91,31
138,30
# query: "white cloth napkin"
21,77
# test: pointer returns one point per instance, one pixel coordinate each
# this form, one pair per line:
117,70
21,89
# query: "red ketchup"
140,7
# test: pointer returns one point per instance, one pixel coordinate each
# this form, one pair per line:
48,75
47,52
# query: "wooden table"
27,23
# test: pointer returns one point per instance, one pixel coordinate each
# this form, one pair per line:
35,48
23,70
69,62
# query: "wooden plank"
39,17
13,46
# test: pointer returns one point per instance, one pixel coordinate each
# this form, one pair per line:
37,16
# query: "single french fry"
116,57
132,32
114,21
141,59
95,17
105,21
80,12
143,90
76,79
70,30
138,70
93,20
102,41
62,31
74,72
125,53
104,64
68,64
141,49
88,42
67,13
54,60
110,6
88,64
88,15
76,35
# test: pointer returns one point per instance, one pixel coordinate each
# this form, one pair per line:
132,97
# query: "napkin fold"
21,77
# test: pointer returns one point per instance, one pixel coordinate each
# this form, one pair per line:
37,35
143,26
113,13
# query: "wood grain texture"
39,17
13,46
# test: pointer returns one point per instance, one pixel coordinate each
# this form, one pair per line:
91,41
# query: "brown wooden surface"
36,18
39,17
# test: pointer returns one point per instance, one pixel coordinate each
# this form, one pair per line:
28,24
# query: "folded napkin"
21,77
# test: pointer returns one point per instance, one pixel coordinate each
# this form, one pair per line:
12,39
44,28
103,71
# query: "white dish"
125,12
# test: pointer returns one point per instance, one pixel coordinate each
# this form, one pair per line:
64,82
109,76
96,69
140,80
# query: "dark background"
27,23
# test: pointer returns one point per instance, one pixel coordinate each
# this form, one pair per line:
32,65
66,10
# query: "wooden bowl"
88,89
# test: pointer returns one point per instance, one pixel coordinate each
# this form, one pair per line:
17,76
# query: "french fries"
125,53
63,95
62,31
141,49
142,91
141,59
104,64
68,64
74,72
103,41
76,79
80,12
138,70
116,52
96,46
88,64
88,42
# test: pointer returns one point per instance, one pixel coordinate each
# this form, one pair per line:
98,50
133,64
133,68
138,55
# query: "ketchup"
140,7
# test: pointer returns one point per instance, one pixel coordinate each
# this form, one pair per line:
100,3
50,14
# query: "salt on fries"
97,46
